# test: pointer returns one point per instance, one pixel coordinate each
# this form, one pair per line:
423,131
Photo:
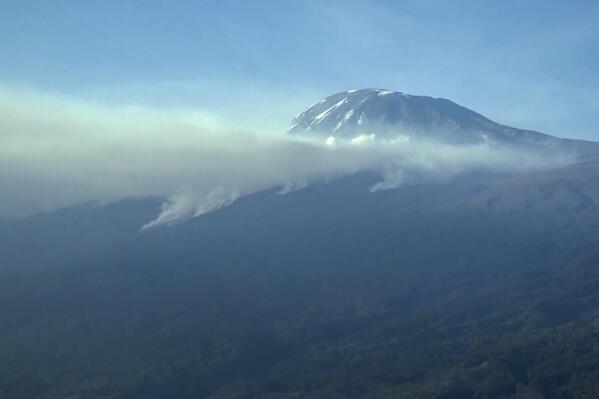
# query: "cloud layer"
56,152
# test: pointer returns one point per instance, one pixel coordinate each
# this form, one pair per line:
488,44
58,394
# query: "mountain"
479,287
391,113
483,286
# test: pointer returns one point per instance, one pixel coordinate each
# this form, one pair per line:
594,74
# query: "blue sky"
531,64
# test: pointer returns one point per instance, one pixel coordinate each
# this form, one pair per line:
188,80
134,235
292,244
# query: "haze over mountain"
167,233
390,114
452,277
198,163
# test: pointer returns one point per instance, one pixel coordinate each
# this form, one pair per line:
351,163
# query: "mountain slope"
431,290
390,113
484,286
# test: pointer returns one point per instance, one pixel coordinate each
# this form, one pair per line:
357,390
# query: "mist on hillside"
57,152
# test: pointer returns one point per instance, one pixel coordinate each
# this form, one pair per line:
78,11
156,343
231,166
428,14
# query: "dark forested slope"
486,286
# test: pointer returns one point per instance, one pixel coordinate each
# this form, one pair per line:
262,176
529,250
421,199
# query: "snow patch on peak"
347,116
327,111
301,114
361,119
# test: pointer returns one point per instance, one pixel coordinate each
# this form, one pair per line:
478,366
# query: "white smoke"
185,207
56,152
392,178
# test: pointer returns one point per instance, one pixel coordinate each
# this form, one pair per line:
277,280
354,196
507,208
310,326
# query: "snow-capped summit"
389,114
386,113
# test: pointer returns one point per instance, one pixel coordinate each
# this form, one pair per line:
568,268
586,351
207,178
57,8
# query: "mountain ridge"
389,114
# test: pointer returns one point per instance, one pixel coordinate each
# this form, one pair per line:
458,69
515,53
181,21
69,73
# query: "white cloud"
56,152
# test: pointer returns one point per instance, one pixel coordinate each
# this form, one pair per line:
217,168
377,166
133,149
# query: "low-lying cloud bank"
56,152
